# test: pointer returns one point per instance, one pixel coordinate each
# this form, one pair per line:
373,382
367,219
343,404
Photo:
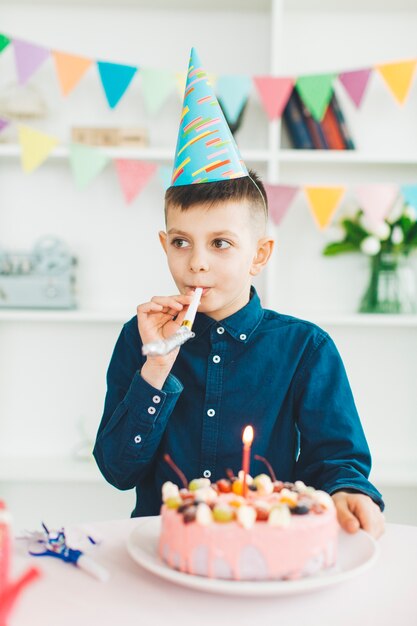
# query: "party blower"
183,334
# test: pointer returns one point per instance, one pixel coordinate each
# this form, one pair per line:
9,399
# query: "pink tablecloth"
386,594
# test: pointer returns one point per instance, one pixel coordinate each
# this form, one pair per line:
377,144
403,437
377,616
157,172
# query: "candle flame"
247,435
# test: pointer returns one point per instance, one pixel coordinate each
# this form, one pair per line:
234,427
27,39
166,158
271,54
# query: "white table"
386,594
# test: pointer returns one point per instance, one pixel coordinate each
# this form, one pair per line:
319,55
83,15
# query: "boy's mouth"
191,289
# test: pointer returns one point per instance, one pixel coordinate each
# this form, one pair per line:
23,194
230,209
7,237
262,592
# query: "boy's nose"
198,263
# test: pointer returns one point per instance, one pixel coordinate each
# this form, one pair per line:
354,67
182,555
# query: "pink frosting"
263,552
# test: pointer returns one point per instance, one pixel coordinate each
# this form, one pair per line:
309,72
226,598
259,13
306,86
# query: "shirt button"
138,439
211,412
156,399
216,359
206,473
242,336
151,410
220,330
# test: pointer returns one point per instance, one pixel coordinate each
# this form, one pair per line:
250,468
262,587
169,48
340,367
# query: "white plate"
357,553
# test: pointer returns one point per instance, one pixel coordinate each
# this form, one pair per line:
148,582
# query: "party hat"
206,151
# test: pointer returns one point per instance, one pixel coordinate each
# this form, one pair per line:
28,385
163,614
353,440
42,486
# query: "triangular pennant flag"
4,42
180,81
409,193
206,150
115,79
355,83
133,176
70,69
323,202
156,87
274,93
376,200
398,77
35,147
165,173
28,57
233,92
279,200
86,163
3,123
316,92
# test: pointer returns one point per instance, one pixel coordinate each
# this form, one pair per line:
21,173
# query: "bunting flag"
133,176
115,79
28,58
156,86
274,93
376,200
323,202
35,147
355,83
233,91
279,199
4,42
3,123
70,69
316,92
86,163
409,193
398,77
165,174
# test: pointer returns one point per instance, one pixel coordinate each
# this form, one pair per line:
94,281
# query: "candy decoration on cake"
278,530
206,150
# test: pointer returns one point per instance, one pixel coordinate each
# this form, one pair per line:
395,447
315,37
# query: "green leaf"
339,247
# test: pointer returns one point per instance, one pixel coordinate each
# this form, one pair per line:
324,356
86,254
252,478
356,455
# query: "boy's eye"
221,244
179,243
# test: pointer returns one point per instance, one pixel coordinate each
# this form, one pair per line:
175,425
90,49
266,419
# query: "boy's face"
217,248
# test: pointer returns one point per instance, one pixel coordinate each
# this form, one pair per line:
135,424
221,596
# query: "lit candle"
247,439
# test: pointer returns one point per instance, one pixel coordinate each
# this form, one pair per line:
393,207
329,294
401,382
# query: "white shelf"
49,470
120,317
12,150
29,315
345,157
71,470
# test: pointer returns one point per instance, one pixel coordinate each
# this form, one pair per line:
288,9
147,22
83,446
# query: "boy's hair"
249,188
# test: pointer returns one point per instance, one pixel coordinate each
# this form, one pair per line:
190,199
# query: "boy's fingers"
147,307
174,302
346,518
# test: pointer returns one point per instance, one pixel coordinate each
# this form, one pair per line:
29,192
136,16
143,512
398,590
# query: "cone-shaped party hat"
206,151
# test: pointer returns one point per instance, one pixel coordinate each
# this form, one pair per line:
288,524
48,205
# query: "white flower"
204,516
370,246
381,230
411,213
280,516
397,236
169,490
246,516
396,211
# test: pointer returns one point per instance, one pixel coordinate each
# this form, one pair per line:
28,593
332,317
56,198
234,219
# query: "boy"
246,365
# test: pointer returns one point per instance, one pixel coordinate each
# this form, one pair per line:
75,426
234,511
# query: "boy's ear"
264,250
163,240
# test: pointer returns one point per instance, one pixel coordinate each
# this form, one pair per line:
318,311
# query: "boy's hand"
357,510
156,322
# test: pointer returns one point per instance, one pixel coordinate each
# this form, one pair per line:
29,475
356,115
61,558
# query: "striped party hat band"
206,150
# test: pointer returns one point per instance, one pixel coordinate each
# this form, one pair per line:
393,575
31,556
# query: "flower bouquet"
388,244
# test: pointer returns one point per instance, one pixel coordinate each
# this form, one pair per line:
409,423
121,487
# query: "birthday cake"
275,531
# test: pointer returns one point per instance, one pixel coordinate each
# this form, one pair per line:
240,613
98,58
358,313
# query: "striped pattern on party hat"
206,151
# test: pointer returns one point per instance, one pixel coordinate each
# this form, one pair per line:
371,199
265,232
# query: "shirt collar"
240,325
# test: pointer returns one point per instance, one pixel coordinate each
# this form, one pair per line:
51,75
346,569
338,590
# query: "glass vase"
391,287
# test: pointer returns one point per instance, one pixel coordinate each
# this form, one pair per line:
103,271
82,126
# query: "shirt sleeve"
135,415
334,453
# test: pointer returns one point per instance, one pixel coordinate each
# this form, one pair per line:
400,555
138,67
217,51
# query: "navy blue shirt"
282,375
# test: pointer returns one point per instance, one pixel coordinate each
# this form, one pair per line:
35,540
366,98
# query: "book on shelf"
306,133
